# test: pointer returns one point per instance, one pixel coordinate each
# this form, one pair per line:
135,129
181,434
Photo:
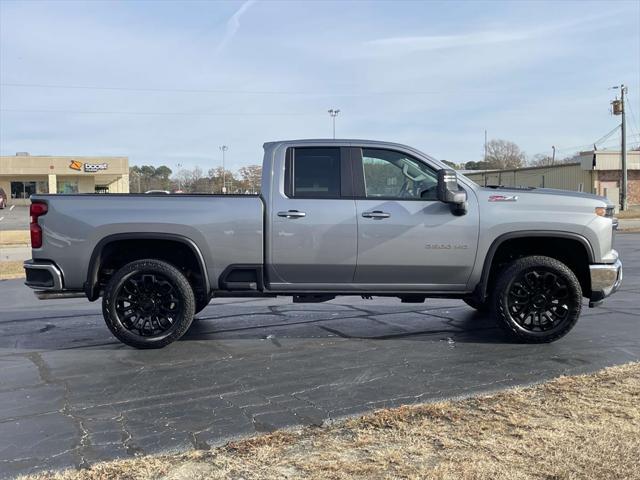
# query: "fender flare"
488,260
96,256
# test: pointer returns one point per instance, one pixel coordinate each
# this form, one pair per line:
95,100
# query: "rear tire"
148,304
537,299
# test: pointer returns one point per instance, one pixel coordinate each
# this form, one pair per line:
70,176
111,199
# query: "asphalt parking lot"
71,395
14,218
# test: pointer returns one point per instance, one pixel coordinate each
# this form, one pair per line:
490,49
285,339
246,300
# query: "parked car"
3,199
334,217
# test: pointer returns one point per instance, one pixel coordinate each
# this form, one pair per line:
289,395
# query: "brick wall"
633,182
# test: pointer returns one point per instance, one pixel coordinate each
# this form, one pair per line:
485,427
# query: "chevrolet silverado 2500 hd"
334,217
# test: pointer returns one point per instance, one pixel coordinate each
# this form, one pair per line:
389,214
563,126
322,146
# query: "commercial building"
22,175
596,172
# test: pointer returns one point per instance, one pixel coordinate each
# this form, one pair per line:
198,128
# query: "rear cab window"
313,172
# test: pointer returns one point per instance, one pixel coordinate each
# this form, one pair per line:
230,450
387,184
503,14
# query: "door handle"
377,214
292,214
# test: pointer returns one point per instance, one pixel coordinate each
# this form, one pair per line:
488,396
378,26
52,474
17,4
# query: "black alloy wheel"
537,299
148,304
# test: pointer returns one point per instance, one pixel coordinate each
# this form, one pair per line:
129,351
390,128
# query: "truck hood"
545,191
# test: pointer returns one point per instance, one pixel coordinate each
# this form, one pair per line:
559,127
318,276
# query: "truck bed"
227,229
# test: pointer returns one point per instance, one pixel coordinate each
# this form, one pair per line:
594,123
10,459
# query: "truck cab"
364,217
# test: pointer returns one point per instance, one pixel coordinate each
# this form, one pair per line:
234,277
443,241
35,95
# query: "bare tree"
182,180
148,177
502,154
196,184
453,165
215,177
541,160
251,178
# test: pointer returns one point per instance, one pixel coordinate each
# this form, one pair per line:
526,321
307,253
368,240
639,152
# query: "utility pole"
485,146
179,165
224,148
334,113
618,109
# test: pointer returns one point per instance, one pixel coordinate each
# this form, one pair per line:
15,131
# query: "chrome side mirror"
449,191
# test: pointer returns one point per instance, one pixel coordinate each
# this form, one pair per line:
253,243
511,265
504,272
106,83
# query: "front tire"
537,299
148,304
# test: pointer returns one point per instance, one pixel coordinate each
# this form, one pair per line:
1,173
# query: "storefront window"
22,189
67,186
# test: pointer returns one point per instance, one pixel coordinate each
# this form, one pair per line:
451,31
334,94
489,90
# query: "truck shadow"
462,325
273,323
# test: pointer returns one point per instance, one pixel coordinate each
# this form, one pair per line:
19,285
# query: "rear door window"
313,172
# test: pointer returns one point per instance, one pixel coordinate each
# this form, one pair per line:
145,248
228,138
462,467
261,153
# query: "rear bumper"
605,280
43,275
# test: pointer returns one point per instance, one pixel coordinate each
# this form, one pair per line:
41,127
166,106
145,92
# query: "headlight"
605,211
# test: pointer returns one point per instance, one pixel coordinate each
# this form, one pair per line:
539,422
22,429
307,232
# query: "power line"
113,112
587,145
240,92
604,137
632,115
599,143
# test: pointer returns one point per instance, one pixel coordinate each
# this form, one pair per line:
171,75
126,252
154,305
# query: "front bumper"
605,280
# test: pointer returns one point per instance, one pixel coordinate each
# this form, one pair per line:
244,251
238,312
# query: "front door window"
394,175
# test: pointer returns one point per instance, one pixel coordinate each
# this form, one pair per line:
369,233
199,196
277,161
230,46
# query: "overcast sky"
169,82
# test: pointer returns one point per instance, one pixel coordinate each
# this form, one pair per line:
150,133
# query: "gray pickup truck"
334,217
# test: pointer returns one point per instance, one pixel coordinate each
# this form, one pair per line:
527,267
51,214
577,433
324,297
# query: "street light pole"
224,148
334,113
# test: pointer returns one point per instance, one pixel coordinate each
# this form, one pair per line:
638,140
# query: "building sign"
75,165
94,167
87,167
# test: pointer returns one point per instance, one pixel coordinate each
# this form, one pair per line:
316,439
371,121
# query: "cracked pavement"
71,395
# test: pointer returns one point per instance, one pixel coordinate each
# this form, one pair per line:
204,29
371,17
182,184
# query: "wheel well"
569,251
117,253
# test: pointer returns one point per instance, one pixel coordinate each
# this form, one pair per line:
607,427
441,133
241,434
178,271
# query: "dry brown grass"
569,428
11,269
15,237
631,213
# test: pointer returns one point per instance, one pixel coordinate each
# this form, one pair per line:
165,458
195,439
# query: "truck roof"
334,141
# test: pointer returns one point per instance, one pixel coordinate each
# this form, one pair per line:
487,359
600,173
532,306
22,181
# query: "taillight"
36,210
